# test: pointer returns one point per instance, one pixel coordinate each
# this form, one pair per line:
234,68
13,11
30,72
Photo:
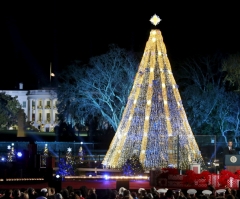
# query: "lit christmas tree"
81,155
45,155
11,156
132,166
154,123
69,157
64,169
66,165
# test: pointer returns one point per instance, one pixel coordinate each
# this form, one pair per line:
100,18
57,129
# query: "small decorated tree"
69,157
45,155
64,169
81,155
11,153
66,165
133,166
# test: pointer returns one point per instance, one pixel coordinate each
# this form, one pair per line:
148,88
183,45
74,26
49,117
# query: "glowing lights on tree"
69,157
45,155
132,166
81,155
154,122
11,156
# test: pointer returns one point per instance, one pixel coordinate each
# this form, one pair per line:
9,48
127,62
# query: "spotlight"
8,147
209,163
57,176
106,177
3,159
81,142
19,154
90,176
95,161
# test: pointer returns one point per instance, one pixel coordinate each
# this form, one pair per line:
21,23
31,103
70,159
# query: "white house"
39,106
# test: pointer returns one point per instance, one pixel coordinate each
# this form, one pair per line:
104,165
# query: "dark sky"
35,33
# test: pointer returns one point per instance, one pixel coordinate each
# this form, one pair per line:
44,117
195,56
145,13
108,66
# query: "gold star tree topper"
155,20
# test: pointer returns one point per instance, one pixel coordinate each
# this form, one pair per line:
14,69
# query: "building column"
30,110
43,112
51,112
36,110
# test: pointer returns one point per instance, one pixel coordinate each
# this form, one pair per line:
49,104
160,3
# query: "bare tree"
231,66
98,89
200,85
228,116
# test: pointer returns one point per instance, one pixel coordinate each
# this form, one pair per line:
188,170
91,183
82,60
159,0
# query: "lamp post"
51,73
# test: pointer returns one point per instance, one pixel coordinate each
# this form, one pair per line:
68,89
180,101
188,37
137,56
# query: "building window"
56,117
33,117
24,104
48,117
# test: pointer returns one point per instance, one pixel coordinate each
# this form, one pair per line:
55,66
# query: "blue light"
106,177
19,154
3,159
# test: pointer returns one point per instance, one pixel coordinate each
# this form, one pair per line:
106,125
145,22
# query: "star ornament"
155,20
69,149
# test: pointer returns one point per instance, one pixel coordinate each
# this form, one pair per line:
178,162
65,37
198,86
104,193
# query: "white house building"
39,106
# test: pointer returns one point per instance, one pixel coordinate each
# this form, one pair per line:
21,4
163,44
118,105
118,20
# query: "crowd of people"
122,193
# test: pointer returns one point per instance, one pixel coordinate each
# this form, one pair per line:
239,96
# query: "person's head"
126,193
51,191
58,196
30,191
43,192
230,143
25,195
234,192
191,192
169,194
65,193
134,194
16,193
230,196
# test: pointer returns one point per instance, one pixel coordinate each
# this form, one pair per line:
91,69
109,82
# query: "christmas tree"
11,156
66,165
132,166
69,157
45,155
64,169
81,155
154,123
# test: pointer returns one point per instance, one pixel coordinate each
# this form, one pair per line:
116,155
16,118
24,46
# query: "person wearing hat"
220,193
206,193
191,193
43,194
162,193
141,193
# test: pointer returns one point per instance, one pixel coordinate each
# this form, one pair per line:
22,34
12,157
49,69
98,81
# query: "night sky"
35,33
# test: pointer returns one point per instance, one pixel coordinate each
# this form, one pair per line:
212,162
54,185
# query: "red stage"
160,181
107,184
